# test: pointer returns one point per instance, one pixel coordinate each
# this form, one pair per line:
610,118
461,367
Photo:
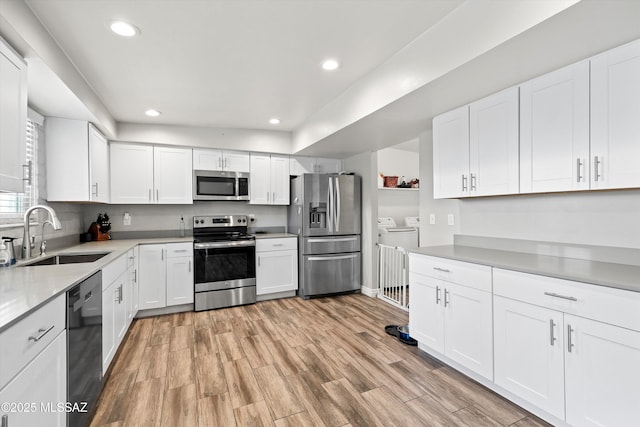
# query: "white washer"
390,234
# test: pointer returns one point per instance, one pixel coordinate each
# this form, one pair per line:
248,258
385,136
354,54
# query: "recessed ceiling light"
330,64
274,121
152,113
124,29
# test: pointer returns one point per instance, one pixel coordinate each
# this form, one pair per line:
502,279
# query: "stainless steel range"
225,262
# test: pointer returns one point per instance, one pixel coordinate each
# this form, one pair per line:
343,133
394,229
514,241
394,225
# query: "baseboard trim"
370,292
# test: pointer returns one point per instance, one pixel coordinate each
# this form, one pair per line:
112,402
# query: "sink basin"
67,259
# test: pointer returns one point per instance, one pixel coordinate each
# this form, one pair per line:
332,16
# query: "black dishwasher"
84,349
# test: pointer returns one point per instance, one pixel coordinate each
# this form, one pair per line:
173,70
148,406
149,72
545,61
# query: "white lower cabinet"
529,353
551,354
602,375
276,265
165,275
33,395
114,318
453,319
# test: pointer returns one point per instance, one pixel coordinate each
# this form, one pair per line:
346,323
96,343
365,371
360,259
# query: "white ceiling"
231,63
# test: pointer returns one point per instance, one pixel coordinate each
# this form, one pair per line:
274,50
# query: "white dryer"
393,235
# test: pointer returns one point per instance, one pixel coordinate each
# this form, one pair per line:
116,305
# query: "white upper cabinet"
554,131
269,180
219,160
13,118
615,118
172,175
301,165
144,174
77,143
493,144
451,154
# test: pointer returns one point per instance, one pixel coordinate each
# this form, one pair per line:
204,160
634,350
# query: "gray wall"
366,165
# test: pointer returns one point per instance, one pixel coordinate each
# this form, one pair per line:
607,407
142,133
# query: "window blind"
13,205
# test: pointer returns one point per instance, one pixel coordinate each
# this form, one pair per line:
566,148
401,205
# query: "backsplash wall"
167,217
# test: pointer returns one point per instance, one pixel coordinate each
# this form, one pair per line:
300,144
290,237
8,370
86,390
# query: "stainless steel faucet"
43,243
26,238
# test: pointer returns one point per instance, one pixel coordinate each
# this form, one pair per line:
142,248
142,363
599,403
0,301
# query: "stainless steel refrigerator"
325,212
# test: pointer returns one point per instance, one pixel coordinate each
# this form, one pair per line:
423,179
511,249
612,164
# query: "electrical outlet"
450,219
432,219
126,219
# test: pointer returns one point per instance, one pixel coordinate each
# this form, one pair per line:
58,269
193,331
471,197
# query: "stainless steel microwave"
219,185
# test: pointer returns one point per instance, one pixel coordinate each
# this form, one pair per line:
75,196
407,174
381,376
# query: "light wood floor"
290,362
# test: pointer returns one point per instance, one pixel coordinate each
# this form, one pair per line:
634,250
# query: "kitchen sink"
67,259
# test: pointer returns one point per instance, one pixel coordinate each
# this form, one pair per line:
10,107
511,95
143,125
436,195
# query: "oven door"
224,265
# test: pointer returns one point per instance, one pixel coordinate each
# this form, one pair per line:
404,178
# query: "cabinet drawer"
18,344
463,273
281,244
113,270
609,305
175,250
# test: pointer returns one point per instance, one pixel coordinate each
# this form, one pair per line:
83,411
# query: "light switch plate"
450,219
432,219
126,219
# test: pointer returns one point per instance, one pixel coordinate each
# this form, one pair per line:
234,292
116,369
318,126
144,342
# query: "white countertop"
24,289
619,276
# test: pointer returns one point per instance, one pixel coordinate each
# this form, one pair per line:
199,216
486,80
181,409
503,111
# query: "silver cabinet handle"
41,333
162,254
225,162
259,261
579,170
552,294
275,245
569,340
5,421
437,295
29,175
552,337
157,195
180,250
446,300
444,270
596,168
464,182
473,181
135,275
96,186
189,266
149,194
273,197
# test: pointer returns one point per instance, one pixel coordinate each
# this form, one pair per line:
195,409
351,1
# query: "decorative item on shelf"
403,183
391,181
414,183
100,229
380,180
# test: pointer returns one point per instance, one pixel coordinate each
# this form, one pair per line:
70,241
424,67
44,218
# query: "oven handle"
215,245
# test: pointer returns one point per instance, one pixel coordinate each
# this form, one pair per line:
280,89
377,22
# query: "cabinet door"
108,325
425,311
468,328
260,181
529,353
602,375
328,165
615,108
280,180
494,145
207,160
276,272
236,161
451,154
131,173
98,166
554,131
179,281
42,382
13,119
173,175
301,165
153,277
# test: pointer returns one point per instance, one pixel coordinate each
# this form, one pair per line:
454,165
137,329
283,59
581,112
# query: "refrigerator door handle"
337,199
330,210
